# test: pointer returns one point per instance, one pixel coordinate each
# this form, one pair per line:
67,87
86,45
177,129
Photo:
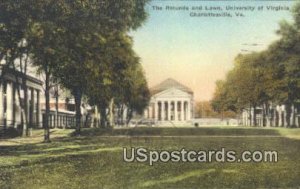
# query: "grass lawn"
95,159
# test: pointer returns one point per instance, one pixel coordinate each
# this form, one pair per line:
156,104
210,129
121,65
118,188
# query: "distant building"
274,115
171,103
64,115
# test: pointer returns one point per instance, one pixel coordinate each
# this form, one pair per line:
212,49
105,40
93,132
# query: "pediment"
171,93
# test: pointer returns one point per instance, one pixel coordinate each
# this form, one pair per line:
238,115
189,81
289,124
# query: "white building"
10,109
171,103
274,116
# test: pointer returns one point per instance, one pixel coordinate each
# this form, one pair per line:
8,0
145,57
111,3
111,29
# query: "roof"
7,72
167,84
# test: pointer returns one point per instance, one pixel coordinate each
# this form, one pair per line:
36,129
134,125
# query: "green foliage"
273,75
213,109
82,44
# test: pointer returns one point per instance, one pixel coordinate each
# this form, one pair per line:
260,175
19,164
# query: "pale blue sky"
198,51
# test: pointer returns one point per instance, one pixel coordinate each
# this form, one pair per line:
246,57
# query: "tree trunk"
254,116
24,86
77,97
282,118
119,115
264,113
288,115
47,113
102,117
129,116
294,116
276,117
26,126
96,116
272,111
122,115
23,102
111,113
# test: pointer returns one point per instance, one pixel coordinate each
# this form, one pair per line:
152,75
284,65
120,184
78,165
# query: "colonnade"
169,110
274,116
10,109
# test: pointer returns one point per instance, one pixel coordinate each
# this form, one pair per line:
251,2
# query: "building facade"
272,116
171,103
12,94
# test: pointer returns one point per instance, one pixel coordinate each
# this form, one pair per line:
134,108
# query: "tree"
72,36
90,26
14,48
121,83
46,38
268,78
284,66
137,95
244,86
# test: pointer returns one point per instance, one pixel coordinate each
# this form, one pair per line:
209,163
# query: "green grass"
95,160
189,131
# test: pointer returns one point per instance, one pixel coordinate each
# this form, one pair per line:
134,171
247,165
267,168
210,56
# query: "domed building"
171,102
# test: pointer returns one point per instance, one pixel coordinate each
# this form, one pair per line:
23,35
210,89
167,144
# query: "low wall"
215,122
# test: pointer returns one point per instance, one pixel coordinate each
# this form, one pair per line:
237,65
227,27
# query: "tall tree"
14,48
89,27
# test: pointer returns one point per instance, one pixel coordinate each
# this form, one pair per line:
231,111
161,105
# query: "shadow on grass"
93,159
9,133
154,131
91,142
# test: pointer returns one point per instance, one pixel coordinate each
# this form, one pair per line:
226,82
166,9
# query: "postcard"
107,94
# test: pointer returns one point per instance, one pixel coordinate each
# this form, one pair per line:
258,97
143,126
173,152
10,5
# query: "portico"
169,110
170,102
10,103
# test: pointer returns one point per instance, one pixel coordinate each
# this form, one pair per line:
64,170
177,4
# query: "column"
156,110
284,115
5,104
159,110
9,101
279,116
4,92
176,111
150,111
1,104
31,120
169,110
163,111
188,111
38,109
182,111
14,106
146,113
17,107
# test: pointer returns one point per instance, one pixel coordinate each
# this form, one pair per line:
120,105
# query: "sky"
198,51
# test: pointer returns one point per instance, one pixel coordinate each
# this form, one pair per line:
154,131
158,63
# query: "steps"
174,123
